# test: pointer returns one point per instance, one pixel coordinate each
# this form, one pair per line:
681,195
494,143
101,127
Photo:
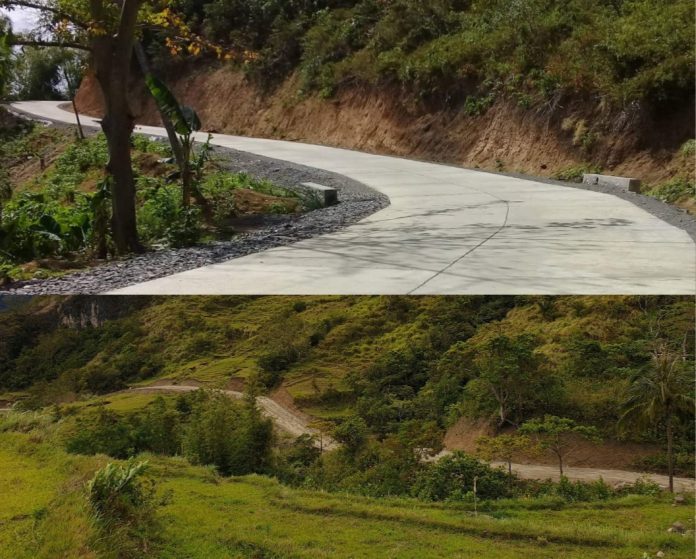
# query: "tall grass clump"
123,509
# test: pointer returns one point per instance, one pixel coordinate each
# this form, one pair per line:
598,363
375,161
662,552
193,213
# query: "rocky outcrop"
92,311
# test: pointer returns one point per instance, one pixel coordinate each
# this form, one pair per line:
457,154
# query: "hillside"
579,86
334,413
399,363
205,516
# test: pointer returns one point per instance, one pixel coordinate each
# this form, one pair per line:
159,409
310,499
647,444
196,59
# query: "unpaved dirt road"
296,426
612,477
284,419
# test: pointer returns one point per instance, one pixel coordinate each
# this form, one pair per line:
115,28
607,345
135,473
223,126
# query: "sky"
21,18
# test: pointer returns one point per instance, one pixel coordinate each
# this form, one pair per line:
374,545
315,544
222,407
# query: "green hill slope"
394,361
204,516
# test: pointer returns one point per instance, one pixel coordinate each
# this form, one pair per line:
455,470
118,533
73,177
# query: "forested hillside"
404,366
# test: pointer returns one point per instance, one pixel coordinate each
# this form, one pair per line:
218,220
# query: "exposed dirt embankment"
537,141
464,434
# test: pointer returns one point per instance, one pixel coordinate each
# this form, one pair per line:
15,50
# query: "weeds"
674,190
576,172
123,505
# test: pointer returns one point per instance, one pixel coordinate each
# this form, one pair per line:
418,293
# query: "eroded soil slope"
541,141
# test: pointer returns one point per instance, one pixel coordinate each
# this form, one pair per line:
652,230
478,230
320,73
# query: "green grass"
44,515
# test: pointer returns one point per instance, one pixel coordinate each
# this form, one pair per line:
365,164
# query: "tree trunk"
118,128
670,452
560,462
112,59
186,174
80,132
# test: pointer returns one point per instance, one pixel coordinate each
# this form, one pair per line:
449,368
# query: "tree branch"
43,8
14,41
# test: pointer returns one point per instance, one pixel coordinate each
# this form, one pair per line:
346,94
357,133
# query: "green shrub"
229,435
623,51
575,173
476,106
117,494
452,478
123,505
161,217
688,149
583,491
674,190
106,434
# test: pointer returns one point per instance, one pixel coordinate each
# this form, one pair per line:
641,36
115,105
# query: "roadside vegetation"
137,474
55,205
625,51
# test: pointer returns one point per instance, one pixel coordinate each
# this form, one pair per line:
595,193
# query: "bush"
107,434
674,190
161,217
452,478
575,173
582,491
231,436
622,51
123,505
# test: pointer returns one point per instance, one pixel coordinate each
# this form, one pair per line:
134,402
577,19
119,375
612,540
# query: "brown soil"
236,384
46,149
249,202
538,141
149,165
284,398
609,454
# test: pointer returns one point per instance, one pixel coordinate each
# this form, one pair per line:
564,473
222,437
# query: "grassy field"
44,514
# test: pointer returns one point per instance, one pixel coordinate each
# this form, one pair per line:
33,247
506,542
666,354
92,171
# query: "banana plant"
186,123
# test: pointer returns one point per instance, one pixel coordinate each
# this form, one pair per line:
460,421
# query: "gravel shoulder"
356,202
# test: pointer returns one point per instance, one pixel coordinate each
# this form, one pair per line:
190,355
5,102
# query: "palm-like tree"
661,396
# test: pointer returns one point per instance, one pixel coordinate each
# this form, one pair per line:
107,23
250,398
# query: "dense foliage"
403,369
58,204
207,427
452,50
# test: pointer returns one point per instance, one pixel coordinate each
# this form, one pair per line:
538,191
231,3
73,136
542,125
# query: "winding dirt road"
295,425
284,419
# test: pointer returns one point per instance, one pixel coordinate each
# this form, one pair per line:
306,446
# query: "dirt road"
612,477
284,419
296,426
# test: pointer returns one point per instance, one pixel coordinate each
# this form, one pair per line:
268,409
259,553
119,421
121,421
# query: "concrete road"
448,231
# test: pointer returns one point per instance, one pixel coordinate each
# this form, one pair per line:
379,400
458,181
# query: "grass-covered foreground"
45,513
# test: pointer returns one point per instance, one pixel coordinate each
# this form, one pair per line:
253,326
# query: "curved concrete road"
448,231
